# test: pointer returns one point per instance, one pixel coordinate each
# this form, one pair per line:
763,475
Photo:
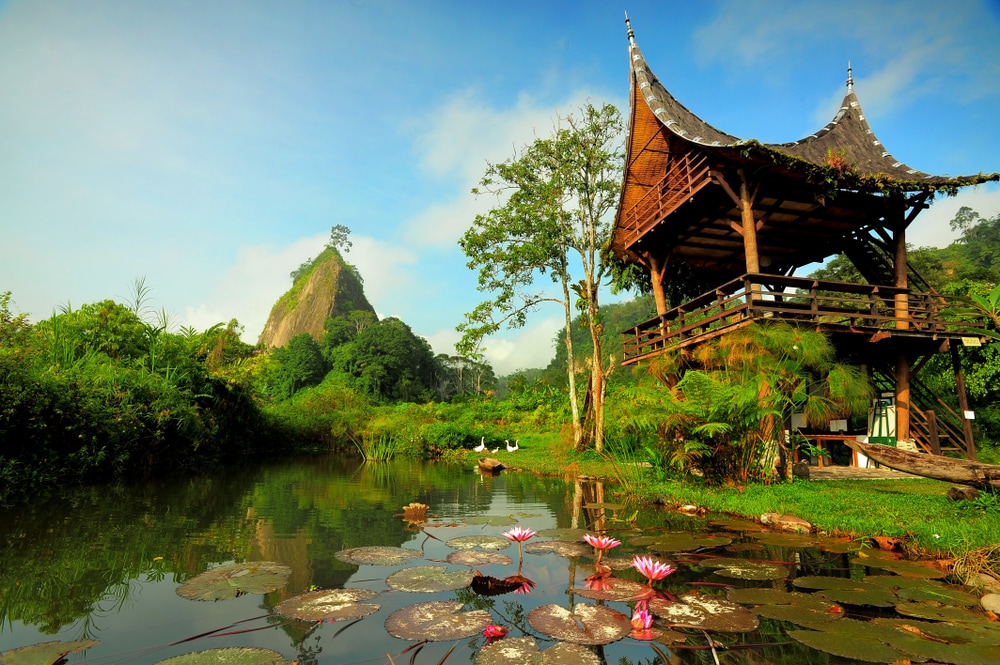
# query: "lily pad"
236,579
984,633
705,612
378,555
520,650
571,535
614,588
900,566
767,596
807,617
436,621
859,648
680,542
482,542
560,547
932,591
939,612
911,639
747,569
228,656
478,558
429,579
586,624
733,524
330,605
44,653
490,520
820,582
871,597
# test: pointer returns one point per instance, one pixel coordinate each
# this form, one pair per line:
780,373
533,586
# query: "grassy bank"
915,510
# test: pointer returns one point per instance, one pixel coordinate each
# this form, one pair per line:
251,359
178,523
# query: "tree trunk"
574,405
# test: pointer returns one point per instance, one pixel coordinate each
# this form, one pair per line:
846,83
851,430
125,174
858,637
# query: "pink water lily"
651,568
641,619
518,535
494,632
601,543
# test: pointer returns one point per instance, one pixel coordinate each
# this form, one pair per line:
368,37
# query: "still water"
104,563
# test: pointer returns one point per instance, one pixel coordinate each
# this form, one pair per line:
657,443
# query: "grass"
374,448
915,510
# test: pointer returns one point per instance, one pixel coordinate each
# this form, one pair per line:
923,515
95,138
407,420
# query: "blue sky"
209,146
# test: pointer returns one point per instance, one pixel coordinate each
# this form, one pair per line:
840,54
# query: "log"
947,469
491,465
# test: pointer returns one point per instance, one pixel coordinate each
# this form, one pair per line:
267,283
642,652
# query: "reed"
376,448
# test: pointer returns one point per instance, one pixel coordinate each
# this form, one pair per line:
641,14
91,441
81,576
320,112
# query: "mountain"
326,287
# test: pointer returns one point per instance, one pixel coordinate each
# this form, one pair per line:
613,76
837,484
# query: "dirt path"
856,473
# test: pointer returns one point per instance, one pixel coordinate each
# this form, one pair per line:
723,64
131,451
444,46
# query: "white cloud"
931,227
458,139
249,288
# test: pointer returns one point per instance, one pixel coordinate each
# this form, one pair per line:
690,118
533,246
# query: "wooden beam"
656,277
749,225
721,181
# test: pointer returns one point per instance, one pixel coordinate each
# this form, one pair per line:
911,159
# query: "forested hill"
324,288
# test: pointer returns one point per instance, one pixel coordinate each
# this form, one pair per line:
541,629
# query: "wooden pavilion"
699,206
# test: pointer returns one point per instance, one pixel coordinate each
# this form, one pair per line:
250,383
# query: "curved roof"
847,135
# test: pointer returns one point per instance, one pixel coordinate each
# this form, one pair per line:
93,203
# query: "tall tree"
554,198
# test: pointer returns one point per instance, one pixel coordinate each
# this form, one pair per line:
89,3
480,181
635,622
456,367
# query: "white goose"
482,445
511,448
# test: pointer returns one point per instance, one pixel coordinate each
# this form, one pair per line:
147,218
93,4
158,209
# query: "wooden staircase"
935,426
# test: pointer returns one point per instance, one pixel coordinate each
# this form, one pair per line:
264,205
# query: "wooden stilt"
902,397
932,432
656,277
963,402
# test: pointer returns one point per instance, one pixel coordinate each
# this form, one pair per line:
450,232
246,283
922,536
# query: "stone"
961,493
801,470
786,522
991,602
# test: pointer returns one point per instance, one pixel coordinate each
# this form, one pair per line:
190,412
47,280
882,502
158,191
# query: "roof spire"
850,77
631,35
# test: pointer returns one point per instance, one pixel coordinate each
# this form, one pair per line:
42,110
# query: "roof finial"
850,77
631,35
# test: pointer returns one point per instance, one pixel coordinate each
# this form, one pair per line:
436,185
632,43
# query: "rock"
990,583
786,522
963,493
801,470
991,602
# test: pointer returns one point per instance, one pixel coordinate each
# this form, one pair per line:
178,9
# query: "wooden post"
656,277
899,268
932,432
963,402
902,397
749,228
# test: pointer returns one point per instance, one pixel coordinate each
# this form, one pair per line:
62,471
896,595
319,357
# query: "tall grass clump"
376,448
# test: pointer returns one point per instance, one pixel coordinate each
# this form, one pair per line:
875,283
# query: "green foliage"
552,221
294,367
98,392
387,360
724,409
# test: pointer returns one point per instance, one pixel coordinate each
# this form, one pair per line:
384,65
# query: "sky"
208,147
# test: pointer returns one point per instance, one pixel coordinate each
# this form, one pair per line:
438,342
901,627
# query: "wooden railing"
818,303
687,174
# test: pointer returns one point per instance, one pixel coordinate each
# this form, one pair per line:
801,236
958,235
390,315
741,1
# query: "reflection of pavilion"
705,212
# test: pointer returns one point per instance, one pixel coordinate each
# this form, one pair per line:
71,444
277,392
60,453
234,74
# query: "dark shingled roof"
848,135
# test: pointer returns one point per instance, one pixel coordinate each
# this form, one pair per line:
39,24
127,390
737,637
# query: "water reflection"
104,562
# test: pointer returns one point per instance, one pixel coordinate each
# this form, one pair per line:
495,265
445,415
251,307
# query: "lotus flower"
652,569
641,619
518,535
494,632
601,543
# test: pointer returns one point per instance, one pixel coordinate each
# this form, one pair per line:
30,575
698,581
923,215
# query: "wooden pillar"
656,277
963,402
902,316
749,226
900,280
902,397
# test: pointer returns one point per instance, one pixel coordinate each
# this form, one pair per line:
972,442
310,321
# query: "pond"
121,566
